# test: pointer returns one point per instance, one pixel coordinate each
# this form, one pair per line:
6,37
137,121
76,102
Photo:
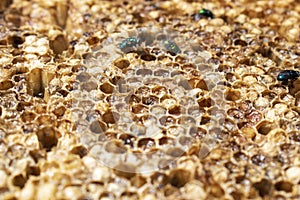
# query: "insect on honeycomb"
149,99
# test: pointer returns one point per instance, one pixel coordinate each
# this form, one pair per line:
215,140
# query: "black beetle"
286,75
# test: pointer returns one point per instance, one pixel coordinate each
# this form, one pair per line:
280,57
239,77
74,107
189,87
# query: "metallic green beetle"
127,44
171,46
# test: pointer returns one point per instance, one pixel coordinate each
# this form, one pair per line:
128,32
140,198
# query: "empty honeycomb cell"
195,111
139,109
148,119
129,195
158,110
115,80
216,190
107,88
235,113
254,116
148,57
176,110
27,116
144,72
146,143
48,137
122,63
33,171
168,101
159,179
205,102
179,177
166,141
150,100
143,91
110,117
6,84
19,181
263,187
37,81
159,91
46,120
259,159
294,135
240,156
116,147
270,95
181,59
248,132
201,84
107,136
81,151
185,141
58,44
186,120
162,73
83,77
264,127
138,129
132,98
93,40
167,120
175,152
232,95
185,84
128,139
59,111
125,170
98,126
197,132
88,86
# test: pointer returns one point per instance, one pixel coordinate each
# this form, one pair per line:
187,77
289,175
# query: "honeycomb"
149,100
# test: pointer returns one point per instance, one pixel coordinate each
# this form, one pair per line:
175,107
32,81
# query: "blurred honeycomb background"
82,119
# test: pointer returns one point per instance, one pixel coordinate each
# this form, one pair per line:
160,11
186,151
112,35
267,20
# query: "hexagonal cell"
179,177
81,151
159,91
150,100
116,147
6,84
125,170
232,95
110,117
146,143
128,139
97,126
205,102
122,63
197,132
264,127
48,137
139,109
167,120
175,152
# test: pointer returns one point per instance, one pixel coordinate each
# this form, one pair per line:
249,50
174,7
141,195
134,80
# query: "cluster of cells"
208,110
149,102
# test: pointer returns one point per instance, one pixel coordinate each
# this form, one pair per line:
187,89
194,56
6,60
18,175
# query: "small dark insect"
285,75
171,46
204,13
127,44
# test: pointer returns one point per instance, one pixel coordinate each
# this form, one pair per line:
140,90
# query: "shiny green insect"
204,13
171,46
128,44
